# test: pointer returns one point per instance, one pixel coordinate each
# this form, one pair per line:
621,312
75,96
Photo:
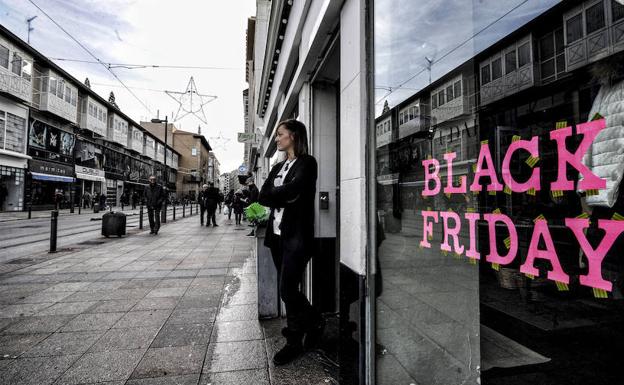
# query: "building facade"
63,144
469,164
193,168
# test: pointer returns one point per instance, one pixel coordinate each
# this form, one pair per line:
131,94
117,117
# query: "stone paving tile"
84,296
166,292
174,282
60,344
44,324
95,321
241,377
36,370
125,293
144,318
47,297
156,303
249,355
113,305
238,313
67,308
23,310
13,345
237,331
168,361
199,301
187,379
102,366
126,339
182,335
140,284
193,315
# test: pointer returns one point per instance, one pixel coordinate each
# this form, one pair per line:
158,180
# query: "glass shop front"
499,154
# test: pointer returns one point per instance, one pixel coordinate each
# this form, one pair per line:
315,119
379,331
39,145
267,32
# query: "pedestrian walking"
238,204
102,201
252,197
213,197
201,199
86,200
229,200
290,191
154,199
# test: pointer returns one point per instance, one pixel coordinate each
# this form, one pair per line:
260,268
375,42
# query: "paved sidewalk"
178,308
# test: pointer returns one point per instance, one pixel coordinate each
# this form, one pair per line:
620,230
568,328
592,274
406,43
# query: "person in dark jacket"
154,199
102,201
252,196
201,199
213,198
229,200
238,204
290,191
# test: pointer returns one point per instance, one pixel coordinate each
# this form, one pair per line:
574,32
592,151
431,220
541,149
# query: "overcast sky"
181,32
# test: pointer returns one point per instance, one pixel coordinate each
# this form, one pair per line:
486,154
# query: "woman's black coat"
296,196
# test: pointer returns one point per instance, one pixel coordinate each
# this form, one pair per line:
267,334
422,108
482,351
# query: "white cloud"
181,32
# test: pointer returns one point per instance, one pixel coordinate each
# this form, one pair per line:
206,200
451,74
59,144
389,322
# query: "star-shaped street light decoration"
220,141
191,102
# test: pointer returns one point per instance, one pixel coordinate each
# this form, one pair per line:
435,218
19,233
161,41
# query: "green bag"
256,213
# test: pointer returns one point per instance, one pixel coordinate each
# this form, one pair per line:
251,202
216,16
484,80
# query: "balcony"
58,97
507,72
15,85
592,31
452,99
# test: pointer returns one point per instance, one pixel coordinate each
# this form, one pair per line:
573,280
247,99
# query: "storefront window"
500,220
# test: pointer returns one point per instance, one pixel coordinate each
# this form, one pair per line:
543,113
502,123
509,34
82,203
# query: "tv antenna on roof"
30,28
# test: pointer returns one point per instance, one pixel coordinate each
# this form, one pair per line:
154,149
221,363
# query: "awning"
95,178
54,178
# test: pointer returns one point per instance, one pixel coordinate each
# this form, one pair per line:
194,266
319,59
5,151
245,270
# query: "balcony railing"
15,85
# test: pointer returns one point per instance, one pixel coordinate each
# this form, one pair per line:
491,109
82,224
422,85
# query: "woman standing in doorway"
289,191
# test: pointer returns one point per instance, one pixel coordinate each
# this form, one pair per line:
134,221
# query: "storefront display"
501,213
52,166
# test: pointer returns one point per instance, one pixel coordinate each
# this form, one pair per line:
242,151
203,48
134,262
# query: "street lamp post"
164,212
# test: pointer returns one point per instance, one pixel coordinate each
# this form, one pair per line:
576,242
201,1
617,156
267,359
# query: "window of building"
485,74
574,28
595,18
16,64
551,53
510,62
617,10
400,118
524,55
497,69
74,98
434,101
441,98
60,88
53,83
68,94
449,93
12,132
4,57
457,89
26,69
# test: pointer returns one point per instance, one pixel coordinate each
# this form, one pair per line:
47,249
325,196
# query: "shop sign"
50,168
92,172
541,246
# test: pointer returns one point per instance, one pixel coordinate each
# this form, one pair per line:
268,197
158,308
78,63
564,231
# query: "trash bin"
96,208
113,224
